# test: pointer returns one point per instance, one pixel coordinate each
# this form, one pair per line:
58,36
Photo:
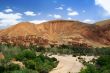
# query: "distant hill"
64,32
103,22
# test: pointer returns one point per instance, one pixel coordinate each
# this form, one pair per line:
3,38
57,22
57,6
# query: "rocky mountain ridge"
61,32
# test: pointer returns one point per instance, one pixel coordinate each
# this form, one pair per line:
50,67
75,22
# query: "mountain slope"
103,22
104,30
21,29
63,32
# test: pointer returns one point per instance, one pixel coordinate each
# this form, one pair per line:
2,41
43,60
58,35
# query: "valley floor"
69,64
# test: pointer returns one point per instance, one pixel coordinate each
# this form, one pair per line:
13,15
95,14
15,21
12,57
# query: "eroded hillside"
62,32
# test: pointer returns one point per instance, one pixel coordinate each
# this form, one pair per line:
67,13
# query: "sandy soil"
68,64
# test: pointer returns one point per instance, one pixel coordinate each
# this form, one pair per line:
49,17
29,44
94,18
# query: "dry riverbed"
69,64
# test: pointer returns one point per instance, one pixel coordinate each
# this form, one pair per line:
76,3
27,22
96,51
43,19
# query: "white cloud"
10,15
8,10
69,9
59,8
73,13
6,22
88,21
37,21
9,18
105,4
57,16
30,13
69,18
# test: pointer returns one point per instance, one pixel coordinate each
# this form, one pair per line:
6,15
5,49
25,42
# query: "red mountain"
64,32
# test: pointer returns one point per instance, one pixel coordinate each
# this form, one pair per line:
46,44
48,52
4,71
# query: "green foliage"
89,69
45,64
40,49
34,63
24,71
9,51
25,54
38,63
2,68
103,61
6,66
12,67
102,65
30,64
78,50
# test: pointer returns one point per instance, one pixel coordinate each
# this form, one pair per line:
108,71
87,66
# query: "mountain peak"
24,24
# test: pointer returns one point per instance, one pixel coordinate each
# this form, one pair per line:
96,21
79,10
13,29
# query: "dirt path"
68,64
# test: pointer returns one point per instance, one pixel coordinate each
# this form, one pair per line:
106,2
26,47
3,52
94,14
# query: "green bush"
30,64
103,61
25,54
34,63
89,69
12,67
24,71
102,65
2,68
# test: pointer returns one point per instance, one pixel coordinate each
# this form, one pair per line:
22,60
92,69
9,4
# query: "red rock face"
1,56
24,40
57,32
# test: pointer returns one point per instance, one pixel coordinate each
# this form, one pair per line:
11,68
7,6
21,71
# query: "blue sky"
37,11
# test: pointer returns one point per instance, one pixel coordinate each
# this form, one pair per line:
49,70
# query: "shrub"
12,67
30,64
40,49
33,63
103,60
24,71
26,54
89,69
101,65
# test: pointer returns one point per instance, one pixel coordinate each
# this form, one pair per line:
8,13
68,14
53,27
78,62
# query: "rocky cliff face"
63,32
